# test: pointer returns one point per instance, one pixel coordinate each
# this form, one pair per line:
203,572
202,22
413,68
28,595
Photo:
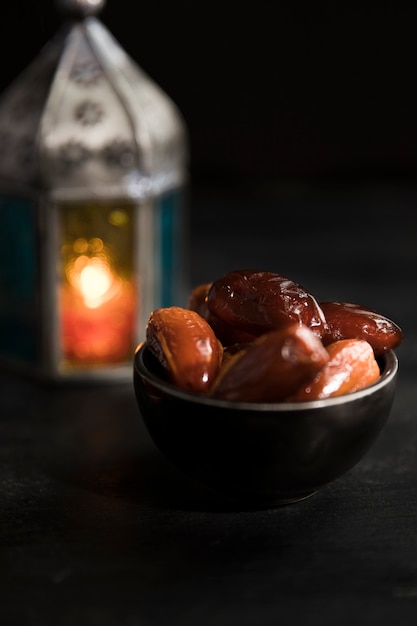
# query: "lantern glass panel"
19,281
171,220
98,294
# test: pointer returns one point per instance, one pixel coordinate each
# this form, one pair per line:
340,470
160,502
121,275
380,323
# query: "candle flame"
97,303
93,279
94,283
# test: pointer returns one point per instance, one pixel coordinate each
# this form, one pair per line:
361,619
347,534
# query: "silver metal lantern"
93,205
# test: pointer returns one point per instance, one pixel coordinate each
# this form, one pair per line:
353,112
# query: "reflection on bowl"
260,454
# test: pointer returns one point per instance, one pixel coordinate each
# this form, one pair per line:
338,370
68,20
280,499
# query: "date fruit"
351,366
346,320
257,302
273,366
257,336
186,347
197,300
227,333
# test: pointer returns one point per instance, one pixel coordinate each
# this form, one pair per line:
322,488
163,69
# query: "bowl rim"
389,361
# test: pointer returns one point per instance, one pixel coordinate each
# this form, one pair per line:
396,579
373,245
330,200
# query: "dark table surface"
98,529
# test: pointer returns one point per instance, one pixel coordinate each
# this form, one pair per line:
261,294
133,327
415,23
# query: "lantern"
93,205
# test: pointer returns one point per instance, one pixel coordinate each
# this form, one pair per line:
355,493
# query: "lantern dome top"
84,120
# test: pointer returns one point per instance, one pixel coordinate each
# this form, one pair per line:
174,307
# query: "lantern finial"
80,8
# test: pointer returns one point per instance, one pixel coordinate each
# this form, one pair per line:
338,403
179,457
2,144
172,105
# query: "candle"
97,312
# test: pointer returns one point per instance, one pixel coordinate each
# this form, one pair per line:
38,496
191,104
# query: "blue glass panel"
18,279
171,238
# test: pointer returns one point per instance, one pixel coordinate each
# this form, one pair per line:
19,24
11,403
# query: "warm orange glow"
94,279
97,307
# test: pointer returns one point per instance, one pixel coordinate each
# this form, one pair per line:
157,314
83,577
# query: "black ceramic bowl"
262,454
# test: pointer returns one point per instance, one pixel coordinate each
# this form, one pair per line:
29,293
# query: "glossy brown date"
197,300
273,366
257,302
186,347
346,320
351,366
258,336
226,333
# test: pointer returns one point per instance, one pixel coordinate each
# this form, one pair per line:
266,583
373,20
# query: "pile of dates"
257,336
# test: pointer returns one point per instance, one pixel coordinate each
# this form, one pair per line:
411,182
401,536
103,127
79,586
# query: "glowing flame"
93,279
94,283
97,305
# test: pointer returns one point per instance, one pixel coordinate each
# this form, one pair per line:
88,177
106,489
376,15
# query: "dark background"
309,111
275,90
